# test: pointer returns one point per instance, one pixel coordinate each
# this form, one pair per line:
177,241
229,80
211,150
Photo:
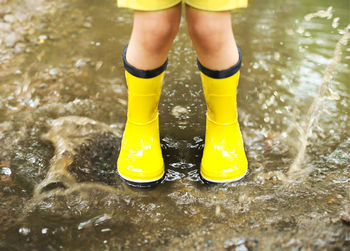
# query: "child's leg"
152,36
140,160
212,37
224,158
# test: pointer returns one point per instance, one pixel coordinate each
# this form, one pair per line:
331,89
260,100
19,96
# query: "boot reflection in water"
155,26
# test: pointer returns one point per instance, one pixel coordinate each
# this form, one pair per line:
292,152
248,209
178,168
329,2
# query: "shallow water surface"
63,106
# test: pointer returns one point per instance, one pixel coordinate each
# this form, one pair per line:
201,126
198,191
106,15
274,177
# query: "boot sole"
207,181
142,183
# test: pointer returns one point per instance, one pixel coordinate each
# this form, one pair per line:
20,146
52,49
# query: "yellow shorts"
210,5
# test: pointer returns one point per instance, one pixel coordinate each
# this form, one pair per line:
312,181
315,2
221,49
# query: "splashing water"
321,13
66,134
317,106
59,187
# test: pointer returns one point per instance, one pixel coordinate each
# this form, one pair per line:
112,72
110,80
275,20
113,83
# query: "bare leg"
212,37
152,36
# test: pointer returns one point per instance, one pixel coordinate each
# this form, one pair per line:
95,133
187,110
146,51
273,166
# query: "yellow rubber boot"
224,159
140,161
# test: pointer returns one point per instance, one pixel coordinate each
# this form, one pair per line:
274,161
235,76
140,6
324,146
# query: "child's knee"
207,32
157,31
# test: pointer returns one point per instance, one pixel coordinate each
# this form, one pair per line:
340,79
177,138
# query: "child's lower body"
155,26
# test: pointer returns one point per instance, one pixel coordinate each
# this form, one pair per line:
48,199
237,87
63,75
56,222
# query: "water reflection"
58,104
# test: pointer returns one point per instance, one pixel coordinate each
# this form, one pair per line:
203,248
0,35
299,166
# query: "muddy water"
63,106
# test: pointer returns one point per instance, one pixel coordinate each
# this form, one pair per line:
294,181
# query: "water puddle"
63,106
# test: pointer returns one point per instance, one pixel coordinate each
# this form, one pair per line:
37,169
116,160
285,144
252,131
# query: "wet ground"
63,108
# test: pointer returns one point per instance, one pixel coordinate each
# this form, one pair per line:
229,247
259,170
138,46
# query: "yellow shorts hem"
215,5
226,8
150,6
208,5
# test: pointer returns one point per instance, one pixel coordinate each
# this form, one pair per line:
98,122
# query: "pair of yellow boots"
140,161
